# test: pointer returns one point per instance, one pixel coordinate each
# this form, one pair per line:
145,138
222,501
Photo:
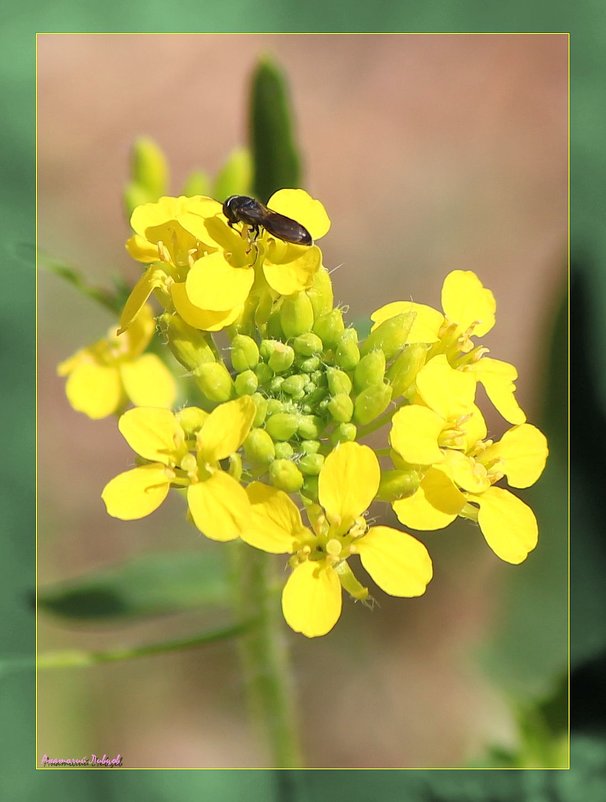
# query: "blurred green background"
62,223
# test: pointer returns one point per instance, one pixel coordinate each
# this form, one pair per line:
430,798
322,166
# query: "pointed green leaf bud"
296,314
189,346
310,427
338,381
282,425
397,484
197,183
370,370
284,450
347,353
403,373
341,408
244,353
294,384
235,177
371,403
149,168
307,344
261,405
259,447
391,335
320,293
214,381
285,475
246,383
329,327
344,433
311,464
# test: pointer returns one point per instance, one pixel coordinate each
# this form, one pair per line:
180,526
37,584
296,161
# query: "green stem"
264,656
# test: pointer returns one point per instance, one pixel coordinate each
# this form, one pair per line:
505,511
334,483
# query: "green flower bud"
391,335
244,353
235,466
274,327
341,408
310,488
149,168
371,403
274,405
319,377
338,381
310,387
344,433
282,425
136,195
235,176
310,364
284,450
311,464
191,419
403,373
320,293
259,447
294,384
197,183
246,383
215,382
310,446
264,373
347,353
261,405
370,370
263,304
296,314
397,484
307,344
285,475
314,399
275,384
189,346
310,427
281,358
329,327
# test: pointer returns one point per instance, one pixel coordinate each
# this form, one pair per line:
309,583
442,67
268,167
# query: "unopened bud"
264,373
235,176
235,466
285,475
294,384
284,450
371,403
320,293
189,346
338,381
310,488
296,314
344,433
347,354
329,327
310,446
310,427
341,408
259,447
261,406
397,484
282,425
149,168
191,419
370,370
244,353
246,383
214,381
311,464
403,373
281,358
391,335
197,183
307,344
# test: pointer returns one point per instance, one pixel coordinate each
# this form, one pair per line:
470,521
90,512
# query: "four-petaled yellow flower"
105,375
348,482
217,501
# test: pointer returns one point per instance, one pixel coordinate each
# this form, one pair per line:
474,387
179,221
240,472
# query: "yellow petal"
142,250
447,391
137,493
226,428
94,389
219,506
213,284
466,472
139,333
414,434
153,433
523,450
398,563
148,382
201,318
508,525
498,379
153,278
473,427
274,521
436,503
348,482
426,325
151,215
299,206
311,599
466,302
292,274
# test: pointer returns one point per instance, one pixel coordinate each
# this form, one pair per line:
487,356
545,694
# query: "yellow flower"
217,502
103,376
462,484
469,311
348,482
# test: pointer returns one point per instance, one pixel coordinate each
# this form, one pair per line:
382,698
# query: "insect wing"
286,229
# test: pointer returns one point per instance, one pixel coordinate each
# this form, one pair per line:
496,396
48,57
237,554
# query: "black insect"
251,212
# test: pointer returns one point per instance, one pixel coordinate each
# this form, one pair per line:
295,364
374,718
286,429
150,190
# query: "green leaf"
152,584
276,161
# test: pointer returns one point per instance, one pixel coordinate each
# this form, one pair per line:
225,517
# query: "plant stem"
264,656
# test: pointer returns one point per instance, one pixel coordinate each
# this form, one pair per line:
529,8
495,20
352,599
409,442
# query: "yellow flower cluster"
283,419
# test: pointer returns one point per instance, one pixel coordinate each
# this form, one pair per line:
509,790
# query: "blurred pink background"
430,152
